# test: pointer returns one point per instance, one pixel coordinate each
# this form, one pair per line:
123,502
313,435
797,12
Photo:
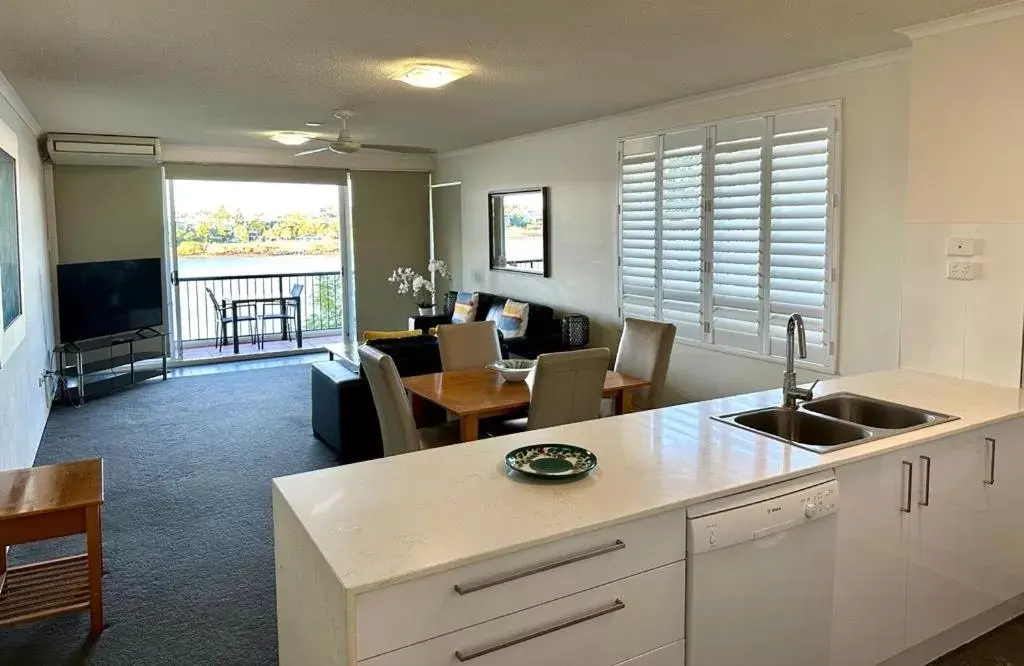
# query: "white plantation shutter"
729,228
638,227
736,235
682,183
801,207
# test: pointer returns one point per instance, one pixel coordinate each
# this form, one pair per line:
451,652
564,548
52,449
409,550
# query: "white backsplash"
969,329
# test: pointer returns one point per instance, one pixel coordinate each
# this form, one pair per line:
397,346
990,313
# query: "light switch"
960,247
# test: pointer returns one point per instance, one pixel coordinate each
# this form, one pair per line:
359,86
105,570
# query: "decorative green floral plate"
551,461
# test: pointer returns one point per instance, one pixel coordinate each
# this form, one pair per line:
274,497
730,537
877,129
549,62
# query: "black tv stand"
99,366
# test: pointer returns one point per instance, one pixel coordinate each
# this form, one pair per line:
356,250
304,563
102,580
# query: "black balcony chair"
283,311
224,316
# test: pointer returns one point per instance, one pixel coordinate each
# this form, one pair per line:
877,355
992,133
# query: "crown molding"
8,93
867,62
960,21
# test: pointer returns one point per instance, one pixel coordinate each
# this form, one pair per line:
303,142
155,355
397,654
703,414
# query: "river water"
256,265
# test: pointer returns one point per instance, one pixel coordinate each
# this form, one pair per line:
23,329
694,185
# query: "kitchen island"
369,557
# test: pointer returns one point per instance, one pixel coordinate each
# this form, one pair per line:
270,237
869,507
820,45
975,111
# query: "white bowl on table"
513,369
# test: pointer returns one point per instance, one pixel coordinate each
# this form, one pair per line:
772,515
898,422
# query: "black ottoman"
341,401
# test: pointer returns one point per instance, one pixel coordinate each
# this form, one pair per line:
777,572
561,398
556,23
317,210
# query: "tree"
240,228
326,310
203,232
518,219
292,225
257,228
220,217
219,234
308,228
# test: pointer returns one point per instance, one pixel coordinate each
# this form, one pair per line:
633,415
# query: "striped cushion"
465,307
514,319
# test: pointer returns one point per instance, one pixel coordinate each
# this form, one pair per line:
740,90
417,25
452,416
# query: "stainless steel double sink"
835,421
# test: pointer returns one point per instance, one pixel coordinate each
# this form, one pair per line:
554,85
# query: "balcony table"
237,302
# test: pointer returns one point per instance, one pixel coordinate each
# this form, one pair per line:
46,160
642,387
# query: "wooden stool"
45,503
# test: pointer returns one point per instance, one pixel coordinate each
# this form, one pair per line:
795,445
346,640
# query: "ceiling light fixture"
430,76
291,138
312,124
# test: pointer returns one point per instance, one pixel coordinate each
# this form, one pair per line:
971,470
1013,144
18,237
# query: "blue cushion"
514,318
465,307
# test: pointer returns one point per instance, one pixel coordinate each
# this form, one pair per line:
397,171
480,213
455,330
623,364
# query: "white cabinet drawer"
670,655
420,609
603,626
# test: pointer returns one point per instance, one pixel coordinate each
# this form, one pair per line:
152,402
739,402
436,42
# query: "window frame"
832,285
212,173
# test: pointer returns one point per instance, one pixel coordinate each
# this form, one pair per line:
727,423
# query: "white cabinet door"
917,558
870,590
670,655
949,573
1003,488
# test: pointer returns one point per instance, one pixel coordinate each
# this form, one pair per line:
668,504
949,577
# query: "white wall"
23,404
579,164
967,124
966,172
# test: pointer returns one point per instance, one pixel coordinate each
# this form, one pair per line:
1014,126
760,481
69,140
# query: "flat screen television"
108,297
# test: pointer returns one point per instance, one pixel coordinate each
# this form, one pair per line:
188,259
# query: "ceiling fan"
346,145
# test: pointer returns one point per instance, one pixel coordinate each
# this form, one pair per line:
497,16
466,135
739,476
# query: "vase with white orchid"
422,289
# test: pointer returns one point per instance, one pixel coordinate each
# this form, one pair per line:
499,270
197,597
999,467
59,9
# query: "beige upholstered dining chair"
565,387
470,345
644,352
398,431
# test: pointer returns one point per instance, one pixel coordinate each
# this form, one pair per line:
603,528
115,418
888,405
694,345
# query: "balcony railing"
525,263
321,301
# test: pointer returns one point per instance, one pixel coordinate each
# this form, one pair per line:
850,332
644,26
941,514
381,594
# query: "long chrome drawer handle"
564,624
468,588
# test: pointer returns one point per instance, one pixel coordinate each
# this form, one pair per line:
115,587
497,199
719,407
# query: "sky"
271,199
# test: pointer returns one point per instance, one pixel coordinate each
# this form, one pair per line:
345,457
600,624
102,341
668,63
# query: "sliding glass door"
256,266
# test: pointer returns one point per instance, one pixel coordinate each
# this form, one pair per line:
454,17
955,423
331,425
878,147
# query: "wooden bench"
47,502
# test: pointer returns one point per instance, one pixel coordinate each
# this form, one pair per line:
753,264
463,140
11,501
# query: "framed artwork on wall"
12,302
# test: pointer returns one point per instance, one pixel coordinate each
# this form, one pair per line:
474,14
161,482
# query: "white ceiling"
228,72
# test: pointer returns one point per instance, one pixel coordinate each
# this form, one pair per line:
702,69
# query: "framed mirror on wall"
520,231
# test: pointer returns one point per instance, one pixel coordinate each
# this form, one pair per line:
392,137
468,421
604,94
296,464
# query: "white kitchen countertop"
388,520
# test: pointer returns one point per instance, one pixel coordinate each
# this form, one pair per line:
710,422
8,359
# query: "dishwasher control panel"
762,518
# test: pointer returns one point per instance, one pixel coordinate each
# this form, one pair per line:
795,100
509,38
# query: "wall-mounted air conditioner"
102,150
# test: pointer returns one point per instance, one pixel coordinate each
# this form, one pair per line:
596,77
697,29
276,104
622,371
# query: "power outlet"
961,270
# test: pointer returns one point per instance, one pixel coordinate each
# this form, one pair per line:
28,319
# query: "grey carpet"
187,526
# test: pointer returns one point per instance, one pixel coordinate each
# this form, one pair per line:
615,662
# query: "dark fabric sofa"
543,329
343,415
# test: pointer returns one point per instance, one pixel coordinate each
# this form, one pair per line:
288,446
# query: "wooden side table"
45,503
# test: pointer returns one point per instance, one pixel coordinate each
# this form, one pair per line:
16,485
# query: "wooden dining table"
481,392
